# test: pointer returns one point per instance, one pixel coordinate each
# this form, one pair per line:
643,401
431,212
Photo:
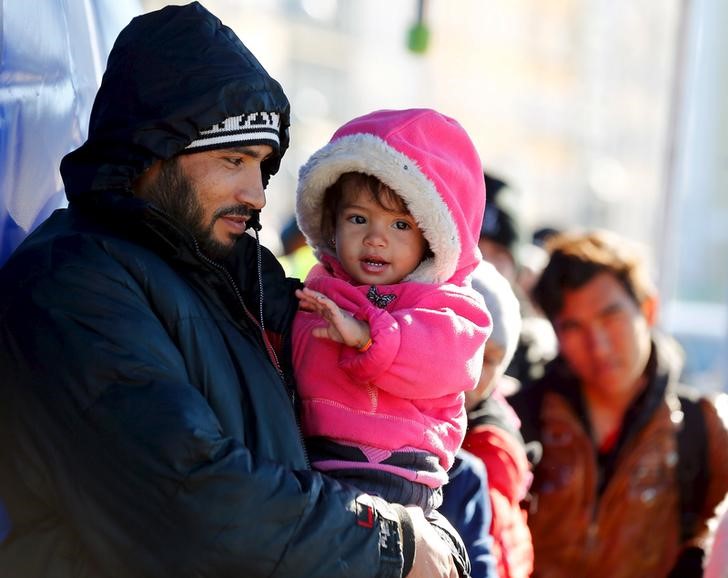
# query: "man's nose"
250,190
599,340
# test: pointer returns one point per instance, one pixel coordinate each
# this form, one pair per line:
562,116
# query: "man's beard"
175,194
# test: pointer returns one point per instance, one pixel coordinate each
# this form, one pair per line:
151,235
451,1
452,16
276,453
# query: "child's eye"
356,219
402,225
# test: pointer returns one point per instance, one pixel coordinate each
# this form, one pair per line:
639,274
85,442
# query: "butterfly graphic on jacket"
380,300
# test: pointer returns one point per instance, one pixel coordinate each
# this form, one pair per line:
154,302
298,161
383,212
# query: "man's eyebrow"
614,307
248,151
568,323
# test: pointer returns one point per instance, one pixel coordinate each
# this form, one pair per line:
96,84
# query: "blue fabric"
466,505
10,236
4,522
51,65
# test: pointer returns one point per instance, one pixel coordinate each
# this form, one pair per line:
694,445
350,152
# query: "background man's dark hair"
577,257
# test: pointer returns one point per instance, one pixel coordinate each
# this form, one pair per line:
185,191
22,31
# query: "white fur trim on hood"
369,154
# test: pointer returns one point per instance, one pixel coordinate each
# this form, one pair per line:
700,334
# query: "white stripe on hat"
252,127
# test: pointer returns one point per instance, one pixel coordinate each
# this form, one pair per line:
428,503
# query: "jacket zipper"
592,531
269,348
259,325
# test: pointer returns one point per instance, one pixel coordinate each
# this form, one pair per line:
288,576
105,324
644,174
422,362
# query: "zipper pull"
591,536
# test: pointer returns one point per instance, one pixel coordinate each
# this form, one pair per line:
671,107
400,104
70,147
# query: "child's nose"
375,236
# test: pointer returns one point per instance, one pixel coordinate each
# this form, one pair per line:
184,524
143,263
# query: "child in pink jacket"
390,334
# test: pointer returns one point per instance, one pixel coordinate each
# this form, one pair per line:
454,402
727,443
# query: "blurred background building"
600,113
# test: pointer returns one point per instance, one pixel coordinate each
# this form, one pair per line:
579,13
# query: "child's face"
374,244
492,359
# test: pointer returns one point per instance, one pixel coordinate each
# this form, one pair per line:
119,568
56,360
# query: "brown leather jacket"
619,517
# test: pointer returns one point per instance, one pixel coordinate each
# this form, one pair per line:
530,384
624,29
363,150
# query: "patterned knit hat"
255,128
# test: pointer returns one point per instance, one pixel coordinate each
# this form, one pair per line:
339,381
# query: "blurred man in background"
633,464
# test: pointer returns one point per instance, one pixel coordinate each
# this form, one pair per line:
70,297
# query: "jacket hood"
429,160
170,75
504,308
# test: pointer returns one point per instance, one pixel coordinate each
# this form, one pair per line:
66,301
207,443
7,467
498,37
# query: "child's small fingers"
330,307
303,297
306,295
303,305
303,300
316,295
320,332
309,291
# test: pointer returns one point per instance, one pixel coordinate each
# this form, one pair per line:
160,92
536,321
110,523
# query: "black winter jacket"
146,428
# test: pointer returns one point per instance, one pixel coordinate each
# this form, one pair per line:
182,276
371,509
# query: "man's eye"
236,161
613,313
569,331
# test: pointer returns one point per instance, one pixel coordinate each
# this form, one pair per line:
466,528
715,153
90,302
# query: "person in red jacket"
493,429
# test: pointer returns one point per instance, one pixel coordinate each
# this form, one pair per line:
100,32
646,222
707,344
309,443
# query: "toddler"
390,334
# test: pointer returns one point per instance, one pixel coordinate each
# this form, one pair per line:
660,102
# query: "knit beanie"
503,306
253,128
500,220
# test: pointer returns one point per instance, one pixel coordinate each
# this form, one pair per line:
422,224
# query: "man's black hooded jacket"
146,429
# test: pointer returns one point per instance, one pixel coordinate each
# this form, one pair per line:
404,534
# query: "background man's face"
604,336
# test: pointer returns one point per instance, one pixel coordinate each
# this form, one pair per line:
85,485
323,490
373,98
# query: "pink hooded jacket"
406,391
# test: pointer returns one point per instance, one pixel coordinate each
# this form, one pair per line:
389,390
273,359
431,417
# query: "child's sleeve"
431,349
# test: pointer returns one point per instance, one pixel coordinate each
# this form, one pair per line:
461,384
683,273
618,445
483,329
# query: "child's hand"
342,327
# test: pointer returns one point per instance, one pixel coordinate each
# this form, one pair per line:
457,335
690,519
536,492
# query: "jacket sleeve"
717,433
691,559
467,507
431,349
128,452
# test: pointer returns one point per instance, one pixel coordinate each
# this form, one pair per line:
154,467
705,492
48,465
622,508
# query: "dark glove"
689,564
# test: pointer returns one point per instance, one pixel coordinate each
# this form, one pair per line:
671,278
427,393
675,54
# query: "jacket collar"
662,370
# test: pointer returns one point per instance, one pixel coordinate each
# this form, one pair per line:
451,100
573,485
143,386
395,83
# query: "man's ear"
650,307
